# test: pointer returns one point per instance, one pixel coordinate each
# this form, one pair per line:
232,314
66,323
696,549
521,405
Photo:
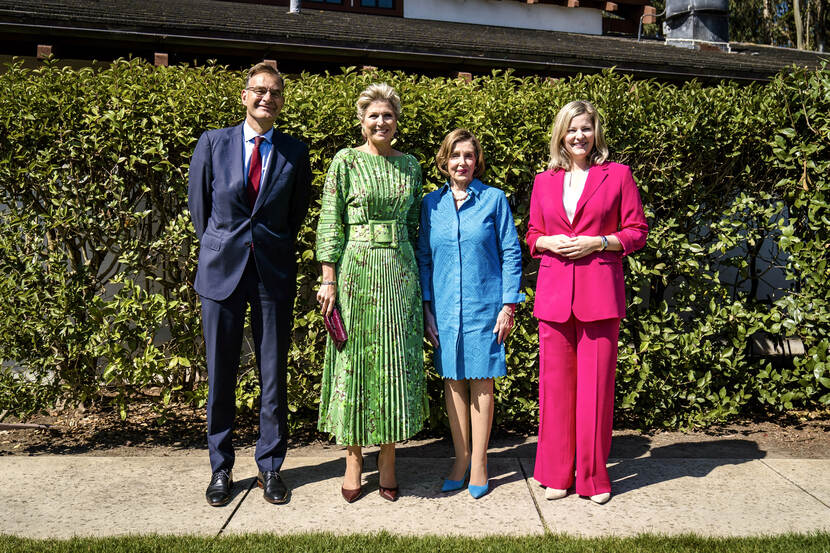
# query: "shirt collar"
472,189
249,134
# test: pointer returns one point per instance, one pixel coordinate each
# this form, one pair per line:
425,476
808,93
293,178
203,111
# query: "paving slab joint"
533,497
808,492
236,508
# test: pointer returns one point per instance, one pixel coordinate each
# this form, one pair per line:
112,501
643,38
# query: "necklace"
459,198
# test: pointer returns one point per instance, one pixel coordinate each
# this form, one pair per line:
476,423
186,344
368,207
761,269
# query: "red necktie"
254,172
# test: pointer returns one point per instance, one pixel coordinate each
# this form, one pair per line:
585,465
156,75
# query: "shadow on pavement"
635,462
311,474
690,459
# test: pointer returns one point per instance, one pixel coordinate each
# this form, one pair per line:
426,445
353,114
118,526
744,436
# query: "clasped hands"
571,247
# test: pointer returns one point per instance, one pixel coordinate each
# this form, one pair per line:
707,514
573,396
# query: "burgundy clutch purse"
336,328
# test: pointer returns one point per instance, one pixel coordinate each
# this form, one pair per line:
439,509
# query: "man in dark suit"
248,194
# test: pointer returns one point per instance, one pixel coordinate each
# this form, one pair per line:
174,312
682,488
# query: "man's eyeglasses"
261,91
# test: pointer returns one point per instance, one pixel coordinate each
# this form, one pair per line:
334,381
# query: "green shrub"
97,251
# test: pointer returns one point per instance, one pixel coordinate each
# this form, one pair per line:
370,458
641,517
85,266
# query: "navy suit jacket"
227,226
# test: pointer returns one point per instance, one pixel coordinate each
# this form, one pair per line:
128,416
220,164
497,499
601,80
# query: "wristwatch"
604,243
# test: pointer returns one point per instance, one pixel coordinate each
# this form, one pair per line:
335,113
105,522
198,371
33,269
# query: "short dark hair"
264,67
442,158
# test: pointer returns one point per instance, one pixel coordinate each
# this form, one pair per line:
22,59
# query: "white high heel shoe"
601,498
555,493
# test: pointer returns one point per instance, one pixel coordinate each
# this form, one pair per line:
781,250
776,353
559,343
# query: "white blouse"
571,192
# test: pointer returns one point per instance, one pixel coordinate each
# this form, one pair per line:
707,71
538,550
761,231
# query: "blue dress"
470,265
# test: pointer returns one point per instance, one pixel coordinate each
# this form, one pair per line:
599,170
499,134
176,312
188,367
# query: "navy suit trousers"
223,323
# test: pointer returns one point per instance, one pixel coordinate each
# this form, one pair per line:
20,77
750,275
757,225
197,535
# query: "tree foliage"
97,252
771,22
774,22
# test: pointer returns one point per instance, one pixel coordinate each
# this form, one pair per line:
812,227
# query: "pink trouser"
578,361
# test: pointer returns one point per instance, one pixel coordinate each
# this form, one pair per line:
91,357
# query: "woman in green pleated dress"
374,389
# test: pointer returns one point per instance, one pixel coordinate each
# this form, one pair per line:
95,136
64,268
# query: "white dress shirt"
571,192
249,135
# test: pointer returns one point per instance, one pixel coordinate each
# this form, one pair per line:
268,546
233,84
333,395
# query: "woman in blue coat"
470,264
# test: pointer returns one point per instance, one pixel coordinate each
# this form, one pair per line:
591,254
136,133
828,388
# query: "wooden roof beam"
594,3
607,5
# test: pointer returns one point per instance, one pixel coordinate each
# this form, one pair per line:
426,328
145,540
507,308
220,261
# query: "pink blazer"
592,288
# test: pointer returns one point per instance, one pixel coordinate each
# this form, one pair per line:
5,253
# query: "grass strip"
388,543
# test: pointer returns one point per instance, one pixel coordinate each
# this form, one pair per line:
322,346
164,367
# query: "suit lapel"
276,163
596,176
235,154
558,188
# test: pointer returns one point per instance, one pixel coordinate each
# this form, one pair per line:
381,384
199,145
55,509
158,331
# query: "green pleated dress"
374,390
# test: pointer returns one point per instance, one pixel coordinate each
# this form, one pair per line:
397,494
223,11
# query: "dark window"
384,4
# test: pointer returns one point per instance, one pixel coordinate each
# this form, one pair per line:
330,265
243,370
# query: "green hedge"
97,251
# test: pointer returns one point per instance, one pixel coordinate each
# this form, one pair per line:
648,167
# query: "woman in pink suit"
585,215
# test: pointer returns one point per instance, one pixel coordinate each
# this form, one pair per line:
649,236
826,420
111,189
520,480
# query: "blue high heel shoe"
478,491
452,485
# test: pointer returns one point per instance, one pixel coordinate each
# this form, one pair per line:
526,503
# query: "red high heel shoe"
389,494
352,495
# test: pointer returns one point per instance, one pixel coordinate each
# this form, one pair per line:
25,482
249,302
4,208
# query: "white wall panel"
507,13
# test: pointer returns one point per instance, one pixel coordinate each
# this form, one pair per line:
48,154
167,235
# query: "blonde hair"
459,135
559,156
375,92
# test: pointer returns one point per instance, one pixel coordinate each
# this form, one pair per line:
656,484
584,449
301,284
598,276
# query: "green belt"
381,234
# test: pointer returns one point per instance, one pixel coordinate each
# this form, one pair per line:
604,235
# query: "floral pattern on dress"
374,390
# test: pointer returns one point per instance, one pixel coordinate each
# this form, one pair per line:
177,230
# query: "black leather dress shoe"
273,488
218,492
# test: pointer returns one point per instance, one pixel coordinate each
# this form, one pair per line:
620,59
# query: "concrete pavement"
667,490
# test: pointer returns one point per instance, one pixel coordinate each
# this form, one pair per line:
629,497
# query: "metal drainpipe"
640,27
294,6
